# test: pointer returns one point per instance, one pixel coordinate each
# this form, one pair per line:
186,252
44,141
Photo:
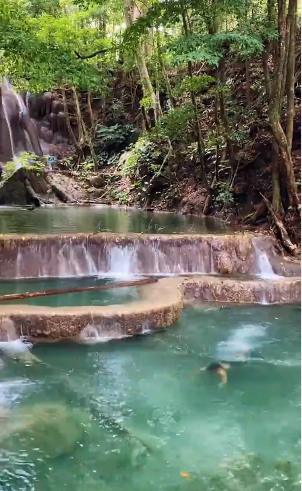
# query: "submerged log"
22,296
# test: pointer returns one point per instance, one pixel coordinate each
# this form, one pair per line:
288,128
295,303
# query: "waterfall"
8,126
18,131
108,255
95,334
265,270
121,262
10,344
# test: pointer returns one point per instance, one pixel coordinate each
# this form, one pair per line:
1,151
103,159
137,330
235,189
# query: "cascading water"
263,264
17,131
101,255
11,141
6,87
11,345
265,270
95,334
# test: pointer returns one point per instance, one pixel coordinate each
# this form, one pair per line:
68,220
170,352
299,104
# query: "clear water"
93,298
56,220
138,415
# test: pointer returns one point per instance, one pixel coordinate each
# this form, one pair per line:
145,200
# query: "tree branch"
86,57
283,233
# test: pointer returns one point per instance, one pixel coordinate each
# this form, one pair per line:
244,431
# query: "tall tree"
274,96
132,13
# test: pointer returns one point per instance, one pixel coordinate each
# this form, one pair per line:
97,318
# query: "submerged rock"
48,429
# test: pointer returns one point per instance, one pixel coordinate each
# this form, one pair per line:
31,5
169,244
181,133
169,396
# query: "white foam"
12,348
238,346
94,335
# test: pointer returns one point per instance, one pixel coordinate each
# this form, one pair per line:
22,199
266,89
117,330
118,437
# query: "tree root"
287,243
253,217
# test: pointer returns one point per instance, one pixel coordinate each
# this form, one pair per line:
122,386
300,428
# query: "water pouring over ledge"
108,254
17,131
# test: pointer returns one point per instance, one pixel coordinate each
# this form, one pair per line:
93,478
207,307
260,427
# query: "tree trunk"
164,72
69,128
92,121
287,243
122,284
217,124
200,143
274,108
276,201
79,117
290,79
130,16
84,136
223,115
267,79
286,160
248,82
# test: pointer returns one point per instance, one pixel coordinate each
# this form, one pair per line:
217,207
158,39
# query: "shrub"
114,138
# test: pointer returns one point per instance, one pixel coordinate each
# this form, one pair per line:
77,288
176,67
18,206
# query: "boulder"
97,181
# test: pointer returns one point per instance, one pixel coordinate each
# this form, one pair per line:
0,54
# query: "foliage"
38,52
122,197
146,157
114,138
146,102
175,124
130,167
28,162
196,84
184,52
194,49
223,195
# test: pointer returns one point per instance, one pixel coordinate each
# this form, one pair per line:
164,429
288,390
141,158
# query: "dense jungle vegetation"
191,105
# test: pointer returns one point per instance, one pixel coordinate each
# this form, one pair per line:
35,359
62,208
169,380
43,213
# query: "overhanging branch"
86,57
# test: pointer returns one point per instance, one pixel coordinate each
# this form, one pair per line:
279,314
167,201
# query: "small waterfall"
91,267
11,344
263,265
7,330
95,334
8,126
122,262
20,134
102,255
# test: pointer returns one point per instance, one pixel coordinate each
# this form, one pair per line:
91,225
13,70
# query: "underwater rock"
47,430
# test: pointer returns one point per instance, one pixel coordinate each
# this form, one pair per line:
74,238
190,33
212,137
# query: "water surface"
56,220
153,421
91,298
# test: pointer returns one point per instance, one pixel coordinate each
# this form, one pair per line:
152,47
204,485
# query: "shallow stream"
93,298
